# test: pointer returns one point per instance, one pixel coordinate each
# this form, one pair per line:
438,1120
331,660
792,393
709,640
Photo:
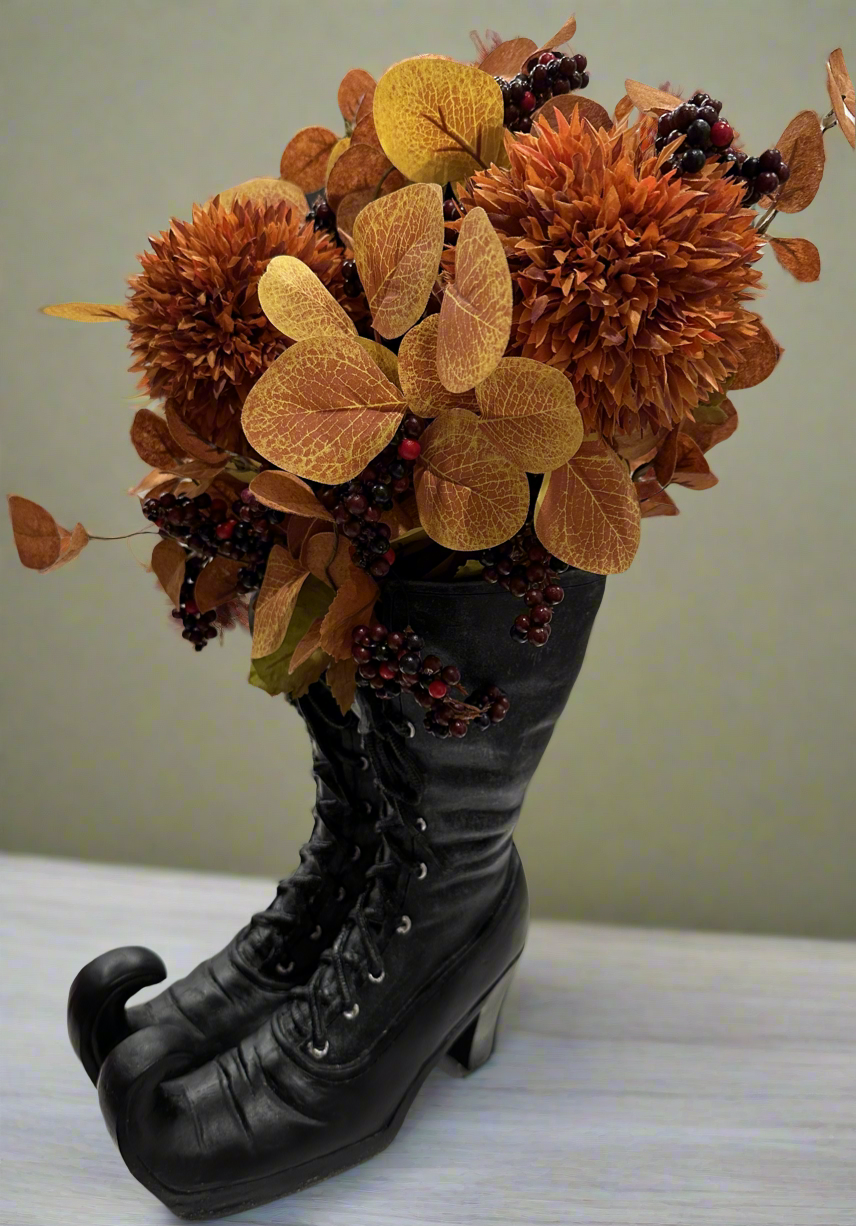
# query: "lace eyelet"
421,823
319,1052
377,978
364,762
350,1014
355,854
423,871
340,897
411,730
316,935
368,807
284,970
405,925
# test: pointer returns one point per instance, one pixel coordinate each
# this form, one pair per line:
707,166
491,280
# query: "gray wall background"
703,773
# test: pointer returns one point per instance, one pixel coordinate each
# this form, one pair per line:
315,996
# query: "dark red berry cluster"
244,530
706,135
526,569
390,662
198,628
322,216
358,505
547,73
353,284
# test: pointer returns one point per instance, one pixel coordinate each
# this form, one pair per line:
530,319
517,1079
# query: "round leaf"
469,496
267,191
36,532
475,317
285,492
508,58
841,95
322,410
596,115
587,512
801,145
437,120
360,168
304,159
760,358
646,98
355,94
298,304
797,256
398,242
417,365
529,414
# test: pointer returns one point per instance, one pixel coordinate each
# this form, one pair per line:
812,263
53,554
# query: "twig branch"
125,536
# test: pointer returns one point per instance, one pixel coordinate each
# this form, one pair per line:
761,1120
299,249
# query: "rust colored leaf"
267,192
692,469
563,35
356,93
285,492
587,512
71,544
154,443
365,133
346,214
342,680
801,145
217,583
322,410
298,528
529,414
361,168
327,558
284,577
648,99
653,499
565,104
153,481
307,646
352,606
475,317
438,121
90,312
37,534
640,446
168,563
420,383
298,303
508,58
797,256
623,108
469,495
304,159
190,442
760,358
398,242
708,433
841,95
666,458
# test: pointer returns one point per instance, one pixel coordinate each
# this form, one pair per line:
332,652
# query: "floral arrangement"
482,332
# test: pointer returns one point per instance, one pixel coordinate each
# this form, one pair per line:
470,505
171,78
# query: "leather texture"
231,993
417,969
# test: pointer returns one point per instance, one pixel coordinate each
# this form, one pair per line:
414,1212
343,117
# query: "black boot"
229,995
421,966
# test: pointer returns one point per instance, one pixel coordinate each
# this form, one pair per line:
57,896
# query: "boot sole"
463,1051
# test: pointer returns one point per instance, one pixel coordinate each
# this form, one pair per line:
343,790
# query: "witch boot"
230,994
422,965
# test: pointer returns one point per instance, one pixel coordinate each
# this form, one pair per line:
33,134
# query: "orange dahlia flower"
630,280
198,333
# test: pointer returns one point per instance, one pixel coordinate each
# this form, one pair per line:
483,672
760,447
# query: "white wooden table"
642,1078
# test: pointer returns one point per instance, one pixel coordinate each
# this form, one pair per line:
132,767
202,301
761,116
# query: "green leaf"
270,673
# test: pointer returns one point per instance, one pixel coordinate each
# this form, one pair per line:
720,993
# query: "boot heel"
475,1046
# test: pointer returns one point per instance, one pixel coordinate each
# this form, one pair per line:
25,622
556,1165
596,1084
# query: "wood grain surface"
643,1078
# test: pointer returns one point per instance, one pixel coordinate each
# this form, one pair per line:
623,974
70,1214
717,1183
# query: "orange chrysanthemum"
198,333
630,280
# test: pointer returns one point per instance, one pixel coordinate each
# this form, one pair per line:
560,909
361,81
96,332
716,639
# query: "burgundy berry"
451,675
458,727
767,182
538,635
528,101
721,134
770,159
553,594
783,173
378,632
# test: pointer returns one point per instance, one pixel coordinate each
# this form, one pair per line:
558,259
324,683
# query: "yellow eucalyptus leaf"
298,304
267,191
469,495
323,410
398,242
529,413
438,120
475,317
420,383
383,357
